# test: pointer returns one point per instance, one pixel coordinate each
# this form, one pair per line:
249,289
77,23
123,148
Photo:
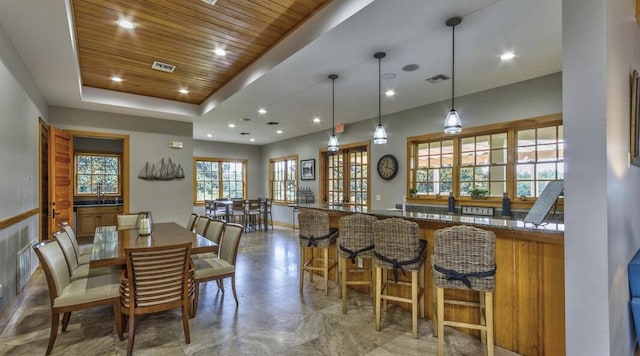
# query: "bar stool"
464,257
356,241
398,248
315,233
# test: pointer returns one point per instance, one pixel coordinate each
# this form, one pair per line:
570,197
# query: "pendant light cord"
333,106
379,91
453,66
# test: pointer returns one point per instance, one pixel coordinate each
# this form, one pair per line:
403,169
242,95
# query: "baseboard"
284,224
11,308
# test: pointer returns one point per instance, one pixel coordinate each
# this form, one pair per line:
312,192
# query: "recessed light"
316,120
209,135
507,56
116,79
252,140
389,93
232,125
262,111
126,24
183,91
279,131
219,51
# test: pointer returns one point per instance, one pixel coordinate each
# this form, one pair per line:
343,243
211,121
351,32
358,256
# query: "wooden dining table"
109,243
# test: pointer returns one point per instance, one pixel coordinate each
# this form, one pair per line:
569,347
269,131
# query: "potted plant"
478,193
413,191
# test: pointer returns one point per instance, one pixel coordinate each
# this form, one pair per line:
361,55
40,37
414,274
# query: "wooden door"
60,173
44,180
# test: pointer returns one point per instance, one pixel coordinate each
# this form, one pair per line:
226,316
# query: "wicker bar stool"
356,241
464,257
315,233
398,248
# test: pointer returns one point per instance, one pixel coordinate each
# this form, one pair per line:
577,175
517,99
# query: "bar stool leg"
489,318
483,321
440,298
434,305
343,271
421,290
414,302
301,267
378,293
326,271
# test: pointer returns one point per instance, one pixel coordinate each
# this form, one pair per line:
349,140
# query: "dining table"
109,243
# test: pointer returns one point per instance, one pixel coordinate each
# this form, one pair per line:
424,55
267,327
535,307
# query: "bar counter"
529,294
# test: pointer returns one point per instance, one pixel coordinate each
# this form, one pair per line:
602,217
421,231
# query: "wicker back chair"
398,248
356,241
464,258
315,232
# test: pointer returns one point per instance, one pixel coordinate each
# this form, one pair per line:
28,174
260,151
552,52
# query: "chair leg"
421,290
233,288
301,267
343,272
434,310
185,321
414,302
132,334
440,298
55,320
326,271
117,316
65,320
378,293
483,321
196,298
489,318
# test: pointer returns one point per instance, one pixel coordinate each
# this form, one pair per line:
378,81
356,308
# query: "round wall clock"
388,167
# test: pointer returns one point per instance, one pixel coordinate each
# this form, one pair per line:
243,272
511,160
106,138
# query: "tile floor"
273,318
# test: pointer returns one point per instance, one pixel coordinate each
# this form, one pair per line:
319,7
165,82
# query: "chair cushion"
84,271
90,289
84,259
204,255
634,275
86,250
211,267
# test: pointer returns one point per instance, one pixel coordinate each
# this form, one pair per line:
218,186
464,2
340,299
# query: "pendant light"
333,140
453,124
380,135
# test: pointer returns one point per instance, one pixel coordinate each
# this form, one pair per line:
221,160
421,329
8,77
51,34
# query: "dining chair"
398,248
213,234
78,270
464,257
191,223
224,266
202,224
356,242
156,279
316,234
66,296
266,213
127,221
80,250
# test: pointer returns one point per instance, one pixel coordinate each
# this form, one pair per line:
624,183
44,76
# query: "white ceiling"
291,80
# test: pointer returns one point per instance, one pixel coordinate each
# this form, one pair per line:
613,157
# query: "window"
346,176
284,182
216,178
97,173
540,159
518,158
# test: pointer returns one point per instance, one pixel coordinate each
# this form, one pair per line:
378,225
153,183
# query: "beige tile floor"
273,318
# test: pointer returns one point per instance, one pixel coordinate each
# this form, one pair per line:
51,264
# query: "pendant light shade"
333,145
453,124
380,135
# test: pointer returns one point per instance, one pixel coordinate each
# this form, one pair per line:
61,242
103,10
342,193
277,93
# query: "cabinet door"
86,224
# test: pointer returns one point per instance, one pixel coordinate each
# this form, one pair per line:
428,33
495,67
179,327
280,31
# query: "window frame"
345,149
272,174
511,128
220,161
119,189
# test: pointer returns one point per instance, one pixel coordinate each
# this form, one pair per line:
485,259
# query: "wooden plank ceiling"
183,33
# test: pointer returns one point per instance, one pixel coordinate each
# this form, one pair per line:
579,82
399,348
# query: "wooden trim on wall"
18,218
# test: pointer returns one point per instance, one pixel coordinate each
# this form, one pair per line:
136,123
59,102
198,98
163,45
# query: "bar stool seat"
464,258
315,233
398,248
355,242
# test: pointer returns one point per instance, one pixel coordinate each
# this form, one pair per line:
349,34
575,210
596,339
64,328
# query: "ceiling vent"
273,123
246,119
165,67
437,78
244,133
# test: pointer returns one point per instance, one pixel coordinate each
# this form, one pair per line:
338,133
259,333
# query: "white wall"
148,142
19,132
536,97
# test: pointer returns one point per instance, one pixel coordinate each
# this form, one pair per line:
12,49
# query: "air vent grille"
164,67
437,78
273,123
245,133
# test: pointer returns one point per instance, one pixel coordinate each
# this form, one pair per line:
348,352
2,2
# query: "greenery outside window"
483,163
283,179
540,159
218,178
97,173
434,174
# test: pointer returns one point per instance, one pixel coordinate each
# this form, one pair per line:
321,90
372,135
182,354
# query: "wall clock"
388,167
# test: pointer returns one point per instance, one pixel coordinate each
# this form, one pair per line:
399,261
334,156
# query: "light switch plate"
477,210
360,262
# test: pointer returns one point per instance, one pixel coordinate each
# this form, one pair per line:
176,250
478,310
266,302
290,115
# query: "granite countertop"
552,228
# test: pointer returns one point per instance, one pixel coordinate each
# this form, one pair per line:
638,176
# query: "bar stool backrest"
314,224
356,234
397,239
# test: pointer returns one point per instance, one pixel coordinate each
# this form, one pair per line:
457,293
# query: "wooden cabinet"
87,219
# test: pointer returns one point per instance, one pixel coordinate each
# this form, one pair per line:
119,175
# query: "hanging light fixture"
333,140
380,135
453,124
